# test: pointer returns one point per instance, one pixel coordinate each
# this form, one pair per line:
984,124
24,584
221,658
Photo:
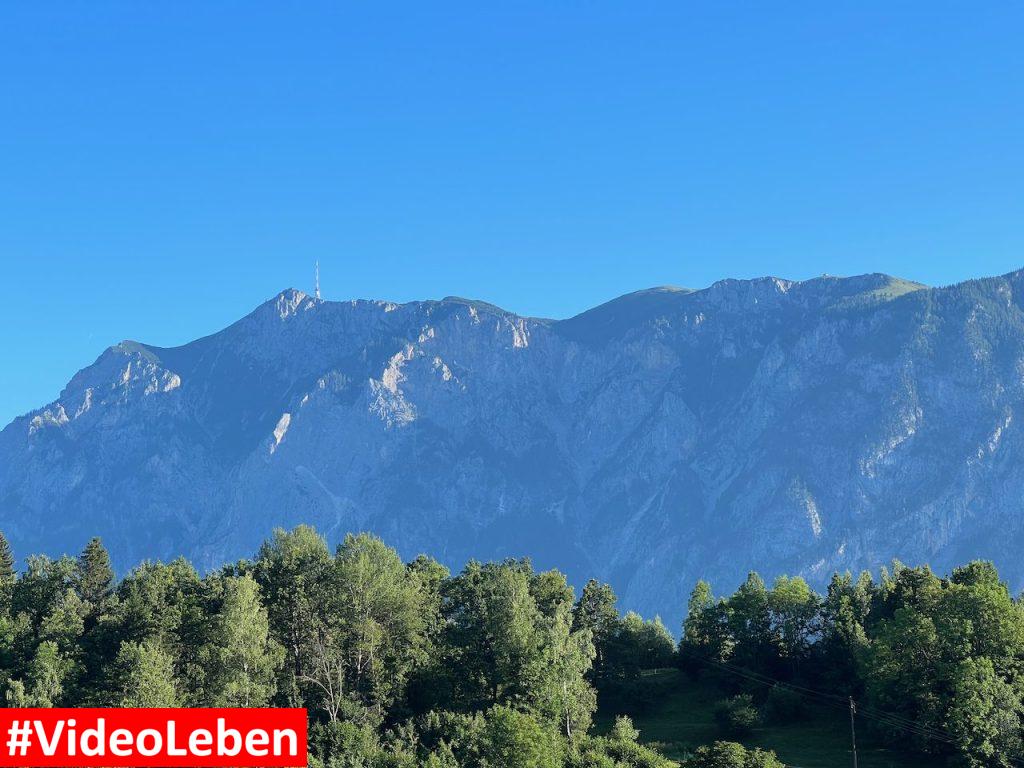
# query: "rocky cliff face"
669,435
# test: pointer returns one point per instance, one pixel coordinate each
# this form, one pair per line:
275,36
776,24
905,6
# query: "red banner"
171,738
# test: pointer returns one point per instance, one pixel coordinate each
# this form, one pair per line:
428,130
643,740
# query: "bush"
762,758
729,754
343,745
619,749
737,716
603,752
784,706
624,730
513,739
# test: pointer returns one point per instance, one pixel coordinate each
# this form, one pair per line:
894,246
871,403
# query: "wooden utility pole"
853,731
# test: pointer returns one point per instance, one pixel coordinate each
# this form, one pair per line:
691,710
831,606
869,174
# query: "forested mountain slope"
666,436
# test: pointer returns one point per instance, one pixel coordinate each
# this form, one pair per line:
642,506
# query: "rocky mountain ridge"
666,436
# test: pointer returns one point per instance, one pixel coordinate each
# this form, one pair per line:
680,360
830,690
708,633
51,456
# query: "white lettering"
120,739
222,736
140,742
162,741
199,742
99,738
173,750
255,741
286,733
49,746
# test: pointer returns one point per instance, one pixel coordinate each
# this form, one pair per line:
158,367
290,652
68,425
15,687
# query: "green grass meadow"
681,719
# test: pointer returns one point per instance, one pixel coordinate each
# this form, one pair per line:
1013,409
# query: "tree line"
936,664
399,664
403,665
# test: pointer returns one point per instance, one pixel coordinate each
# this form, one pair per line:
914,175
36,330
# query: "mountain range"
665,436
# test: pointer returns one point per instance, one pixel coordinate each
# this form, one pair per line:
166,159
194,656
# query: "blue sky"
164,167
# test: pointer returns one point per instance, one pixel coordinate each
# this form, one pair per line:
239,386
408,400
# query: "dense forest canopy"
404,664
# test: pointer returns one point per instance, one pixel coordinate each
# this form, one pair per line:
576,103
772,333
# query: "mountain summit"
666,436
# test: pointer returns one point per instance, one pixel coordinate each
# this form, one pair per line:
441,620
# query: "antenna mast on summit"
316,271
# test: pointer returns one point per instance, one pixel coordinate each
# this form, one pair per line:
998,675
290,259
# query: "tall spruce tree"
94,578
7,575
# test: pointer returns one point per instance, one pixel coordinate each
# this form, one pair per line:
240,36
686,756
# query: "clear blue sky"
164,167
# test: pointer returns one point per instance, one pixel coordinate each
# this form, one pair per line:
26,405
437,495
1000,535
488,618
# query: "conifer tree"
7,575
94,577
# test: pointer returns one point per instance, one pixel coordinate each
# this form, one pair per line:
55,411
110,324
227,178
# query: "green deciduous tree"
563,695
794,609
706,631
243,657
902,669
291,567
363,629
145,676
41,586
985,716
492,643
44,683
379,602
844,641
501,648
644,644
750,624
595,611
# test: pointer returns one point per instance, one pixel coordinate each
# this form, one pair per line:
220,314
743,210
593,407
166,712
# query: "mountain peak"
284,304
289,301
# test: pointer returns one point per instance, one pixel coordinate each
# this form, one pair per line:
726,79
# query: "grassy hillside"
682,719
